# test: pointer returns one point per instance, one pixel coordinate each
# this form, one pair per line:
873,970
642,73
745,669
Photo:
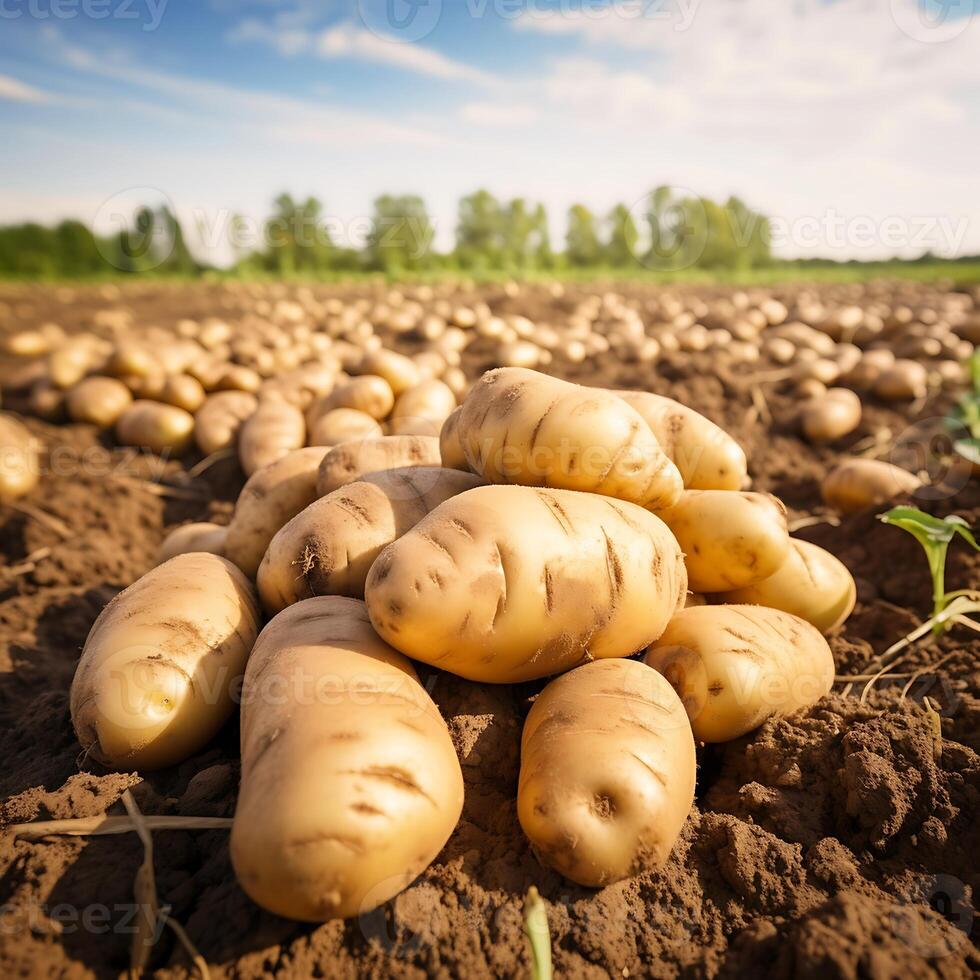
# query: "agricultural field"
676,676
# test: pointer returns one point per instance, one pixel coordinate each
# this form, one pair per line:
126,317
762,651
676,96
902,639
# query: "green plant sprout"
966,415
935,535
536,930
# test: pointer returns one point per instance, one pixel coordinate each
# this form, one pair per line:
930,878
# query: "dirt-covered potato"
155,426
273,430
729,539
183,391
450,446
518,426
387,789
98,401
20,466
831,416
399,371
903,381
271,498
343,425
736,666
218,421
349,461
421,410
707,457
368,394
857,484
202,536
811,584
504,584
607,772
157,675
328,548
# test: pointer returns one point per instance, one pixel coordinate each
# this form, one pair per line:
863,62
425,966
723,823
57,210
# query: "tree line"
664,231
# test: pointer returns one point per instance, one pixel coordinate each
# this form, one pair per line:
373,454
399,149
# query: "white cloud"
347,41
17,91
499,114
287,41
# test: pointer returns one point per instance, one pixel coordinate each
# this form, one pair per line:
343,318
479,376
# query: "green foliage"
538,934
966,416
582,239
935,535
401,235
622,241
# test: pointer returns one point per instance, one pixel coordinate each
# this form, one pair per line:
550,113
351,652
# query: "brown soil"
840,842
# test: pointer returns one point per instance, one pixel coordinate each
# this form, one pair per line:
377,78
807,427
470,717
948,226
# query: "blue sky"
854,123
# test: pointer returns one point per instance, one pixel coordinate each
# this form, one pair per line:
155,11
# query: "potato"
328,548
903,381
343,425
835,415
273,430
98,401
238,377
47,402
450,447
607,772
857,484
324,697
183,391
399,371
349,461
518,426
20,467
736,666
203,536
157,427
271,498
505,584
157,675
707,457
71,361
729,539
422,410
218,421
811,584
368,394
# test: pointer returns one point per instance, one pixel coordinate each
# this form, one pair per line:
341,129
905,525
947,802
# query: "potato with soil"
858,484
506,584
729,539
160,428
707,457
450,446
368,394
159,669
518,426
736,666
271,498
343,425
399,371
388,789
200,536
218,421
20,466
98,401
273,430
421,410
349,461
831,416
329,547
811,584
607,772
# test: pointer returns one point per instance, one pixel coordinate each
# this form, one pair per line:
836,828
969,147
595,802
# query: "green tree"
581,240
621,245
401,234
479,238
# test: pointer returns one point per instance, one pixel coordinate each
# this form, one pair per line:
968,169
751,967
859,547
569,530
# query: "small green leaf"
537,932
923,527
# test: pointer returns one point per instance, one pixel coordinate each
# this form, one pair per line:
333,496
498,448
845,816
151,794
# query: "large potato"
399,371
155,426
736,666
20,466
219,420
450,446
343,425
183,391
857,484
158,672
273,430
707,457
811,584
518,426
607,772
350,784
271,498
349,461
368,394
505,584
328,548
421,410
832,416
200,536
729,539
98,401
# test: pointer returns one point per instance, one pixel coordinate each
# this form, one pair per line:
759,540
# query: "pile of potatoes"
550,532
